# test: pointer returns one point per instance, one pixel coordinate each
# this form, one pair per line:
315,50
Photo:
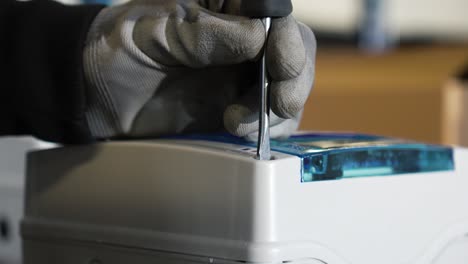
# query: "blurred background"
387,67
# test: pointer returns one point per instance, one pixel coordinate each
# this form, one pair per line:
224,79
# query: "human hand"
159,67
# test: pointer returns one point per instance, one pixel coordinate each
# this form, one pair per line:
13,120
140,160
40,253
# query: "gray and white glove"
158,67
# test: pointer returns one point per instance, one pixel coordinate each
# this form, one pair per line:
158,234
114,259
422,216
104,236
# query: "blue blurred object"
374,35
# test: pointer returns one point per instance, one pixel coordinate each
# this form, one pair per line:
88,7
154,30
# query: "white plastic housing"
201,202
12,170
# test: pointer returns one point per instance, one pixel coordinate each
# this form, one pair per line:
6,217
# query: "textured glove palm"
161,67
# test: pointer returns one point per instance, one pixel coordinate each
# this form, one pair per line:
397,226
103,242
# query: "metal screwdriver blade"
263,147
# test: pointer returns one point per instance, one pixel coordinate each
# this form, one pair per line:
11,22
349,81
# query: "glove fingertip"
238,120
285,112
286,104
252,137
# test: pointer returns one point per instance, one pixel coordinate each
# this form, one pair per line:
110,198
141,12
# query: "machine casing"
12,174
175,201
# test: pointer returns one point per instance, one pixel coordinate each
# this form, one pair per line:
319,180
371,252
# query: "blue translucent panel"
376,161
328,156
339,156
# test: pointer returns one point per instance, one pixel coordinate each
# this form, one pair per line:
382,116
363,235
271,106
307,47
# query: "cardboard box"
455,113
397,94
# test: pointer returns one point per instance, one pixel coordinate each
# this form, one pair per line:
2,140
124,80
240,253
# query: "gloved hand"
158,67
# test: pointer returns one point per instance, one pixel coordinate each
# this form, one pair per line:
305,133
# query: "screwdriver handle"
266,8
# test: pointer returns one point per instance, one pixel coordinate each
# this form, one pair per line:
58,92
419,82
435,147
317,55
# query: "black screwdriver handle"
266,8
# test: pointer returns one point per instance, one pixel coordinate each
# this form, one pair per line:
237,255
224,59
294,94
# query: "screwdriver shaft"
263,147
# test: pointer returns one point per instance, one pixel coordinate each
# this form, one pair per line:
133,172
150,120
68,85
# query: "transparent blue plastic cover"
339,156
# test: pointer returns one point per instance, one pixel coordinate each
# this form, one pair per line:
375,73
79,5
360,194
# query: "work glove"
160,67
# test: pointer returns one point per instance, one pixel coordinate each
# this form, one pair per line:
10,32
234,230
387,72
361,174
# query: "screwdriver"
266,10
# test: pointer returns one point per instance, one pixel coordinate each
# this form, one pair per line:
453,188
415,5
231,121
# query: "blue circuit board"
329,156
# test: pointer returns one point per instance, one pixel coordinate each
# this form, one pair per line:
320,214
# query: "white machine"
12,173
326,198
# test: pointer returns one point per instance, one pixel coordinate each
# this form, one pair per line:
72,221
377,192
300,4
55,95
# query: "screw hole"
4,229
